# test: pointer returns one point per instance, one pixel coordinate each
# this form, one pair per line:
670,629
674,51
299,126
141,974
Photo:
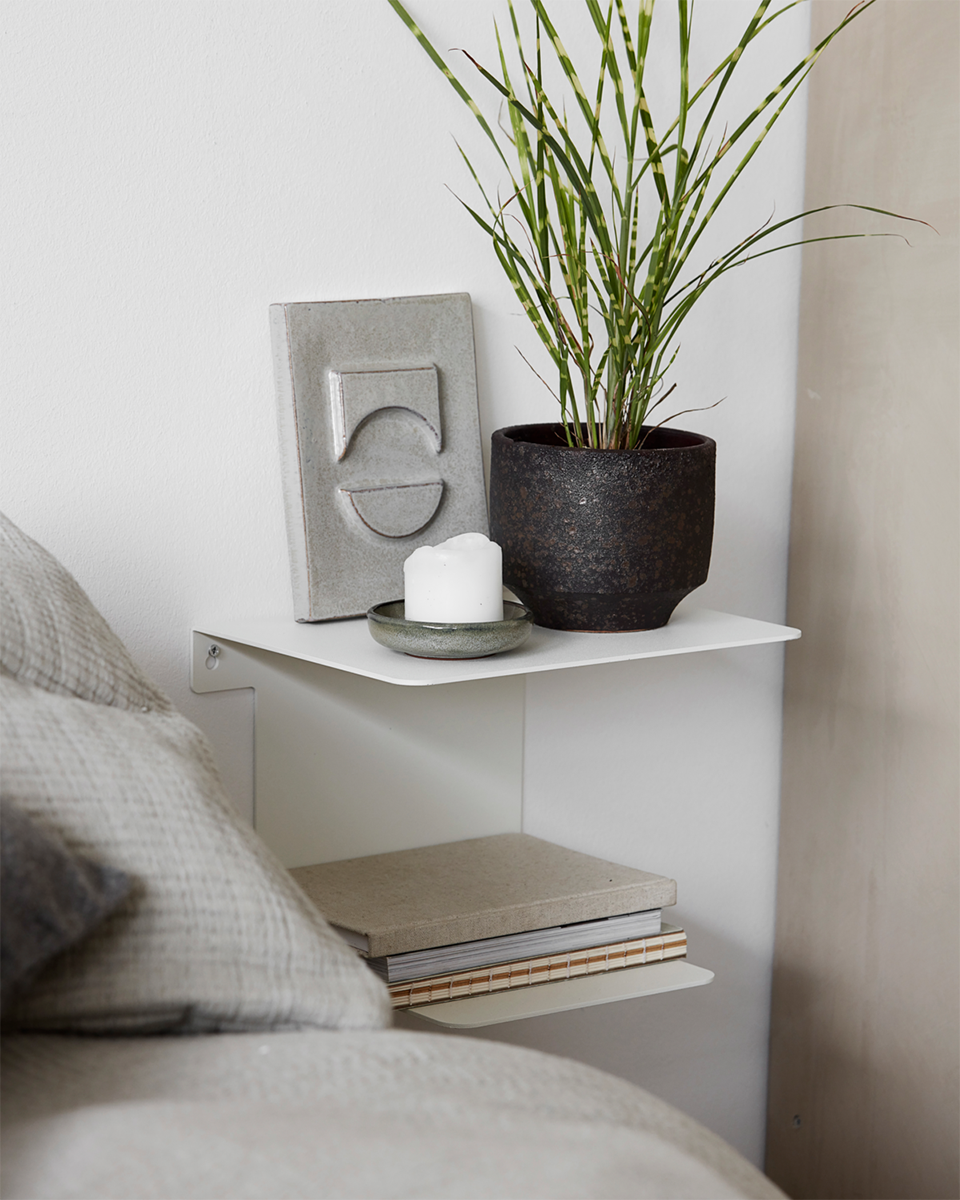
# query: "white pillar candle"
461,580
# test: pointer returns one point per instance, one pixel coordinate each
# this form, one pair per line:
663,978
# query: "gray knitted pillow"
50,898
215,935
54,637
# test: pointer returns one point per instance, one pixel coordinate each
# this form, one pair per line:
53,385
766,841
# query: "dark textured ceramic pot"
602,540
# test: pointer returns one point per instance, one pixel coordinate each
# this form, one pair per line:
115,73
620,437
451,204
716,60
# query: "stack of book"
461,919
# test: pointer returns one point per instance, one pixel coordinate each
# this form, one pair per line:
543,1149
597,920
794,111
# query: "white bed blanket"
341,1114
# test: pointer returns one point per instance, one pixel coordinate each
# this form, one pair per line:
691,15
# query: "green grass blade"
451,78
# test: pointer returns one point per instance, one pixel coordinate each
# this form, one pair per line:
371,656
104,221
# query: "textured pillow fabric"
54,637
49,898
215,935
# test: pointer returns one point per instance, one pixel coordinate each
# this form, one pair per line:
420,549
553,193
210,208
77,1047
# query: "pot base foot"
584,612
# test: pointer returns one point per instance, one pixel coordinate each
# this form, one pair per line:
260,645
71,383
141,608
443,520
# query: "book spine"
548,969
535,943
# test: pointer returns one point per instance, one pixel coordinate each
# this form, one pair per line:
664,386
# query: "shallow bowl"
434,639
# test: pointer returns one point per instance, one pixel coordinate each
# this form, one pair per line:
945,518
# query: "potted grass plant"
606,516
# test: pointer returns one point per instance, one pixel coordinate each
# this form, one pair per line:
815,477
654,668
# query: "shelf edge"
630,983
508,665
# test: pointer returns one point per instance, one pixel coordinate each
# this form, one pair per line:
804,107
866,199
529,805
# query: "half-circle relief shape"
396,510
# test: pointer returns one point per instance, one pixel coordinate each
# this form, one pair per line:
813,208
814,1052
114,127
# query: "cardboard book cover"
478,888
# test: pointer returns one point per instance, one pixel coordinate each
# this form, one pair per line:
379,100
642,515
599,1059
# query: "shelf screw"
214,650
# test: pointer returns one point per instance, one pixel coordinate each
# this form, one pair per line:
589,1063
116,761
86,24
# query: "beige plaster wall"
864,1055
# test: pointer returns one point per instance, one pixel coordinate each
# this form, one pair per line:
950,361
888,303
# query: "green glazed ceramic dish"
428,639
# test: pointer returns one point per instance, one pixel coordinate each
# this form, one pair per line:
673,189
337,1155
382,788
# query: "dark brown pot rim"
550,436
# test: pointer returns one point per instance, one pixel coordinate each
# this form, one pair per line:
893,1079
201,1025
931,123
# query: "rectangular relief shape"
379,439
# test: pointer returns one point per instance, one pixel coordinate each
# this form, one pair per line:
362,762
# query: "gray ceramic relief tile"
380,442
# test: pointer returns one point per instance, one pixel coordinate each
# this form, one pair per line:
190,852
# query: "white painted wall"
174,167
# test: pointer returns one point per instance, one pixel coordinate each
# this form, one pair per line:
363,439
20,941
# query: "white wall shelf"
348,646
472,1012
359,750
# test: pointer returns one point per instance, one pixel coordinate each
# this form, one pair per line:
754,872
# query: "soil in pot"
602,540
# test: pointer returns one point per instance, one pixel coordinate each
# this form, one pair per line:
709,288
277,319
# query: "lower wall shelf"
541,999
